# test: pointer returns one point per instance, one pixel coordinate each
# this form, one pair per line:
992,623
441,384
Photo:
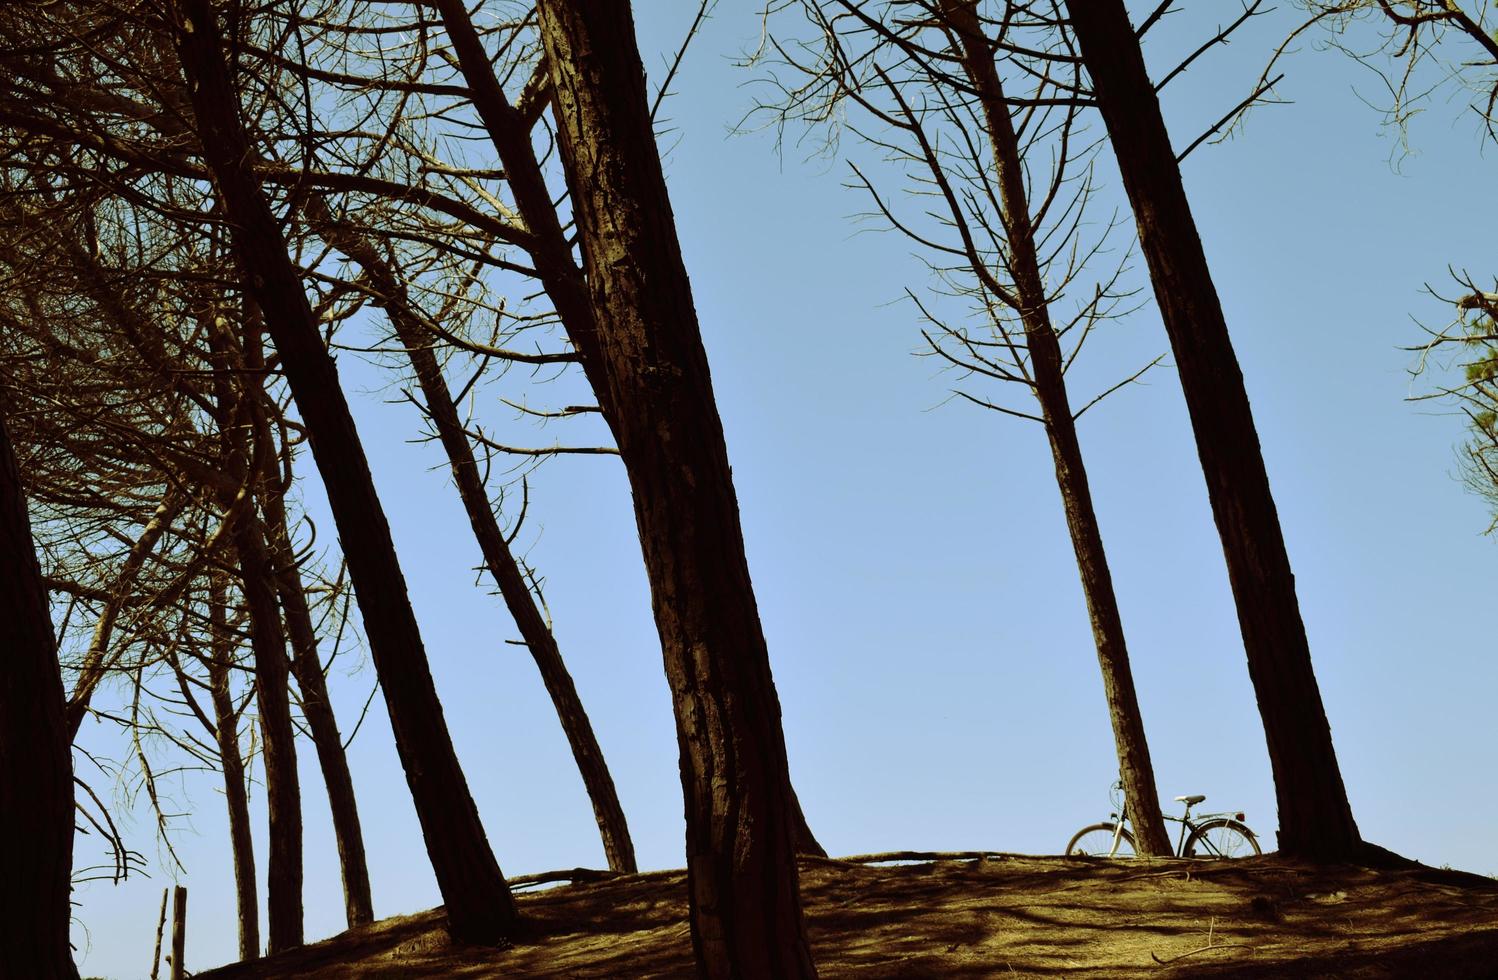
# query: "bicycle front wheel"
1098,841
1221,838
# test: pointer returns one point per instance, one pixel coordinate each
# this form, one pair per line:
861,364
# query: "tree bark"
283,796
160,931
549,245
1136,772
226,734
36,766
478,902
647,362
317,707
179,932
806,841
1316,821
392,296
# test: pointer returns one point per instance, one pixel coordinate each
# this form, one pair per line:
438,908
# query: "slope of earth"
990,916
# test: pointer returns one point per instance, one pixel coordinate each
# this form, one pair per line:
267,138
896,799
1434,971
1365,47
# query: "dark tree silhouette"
410,328
1032,302
1010,240
1316,821
477,899
268,645
317,708
36,770
550,247
226,734
646,361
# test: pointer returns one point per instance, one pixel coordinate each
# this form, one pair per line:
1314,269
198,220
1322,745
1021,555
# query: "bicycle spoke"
1221,838
1099,841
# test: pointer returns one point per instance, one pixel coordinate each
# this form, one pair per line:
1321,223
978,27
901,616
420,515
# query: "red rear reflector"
1238,817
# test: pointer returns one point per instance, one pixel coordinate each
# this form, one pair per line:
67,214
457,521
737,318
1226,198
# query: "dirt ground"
994,916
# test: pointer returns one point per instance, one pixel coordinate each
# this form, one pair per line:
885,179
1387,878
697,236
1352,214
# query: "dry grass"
1001,916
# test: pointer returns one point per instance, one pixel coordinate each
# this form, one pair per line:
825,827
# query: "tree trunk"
226,734
806,841
618,849
550,246
1315,820
179,932
478,902
160,931
36,767
317,708
283,797
1135,769
647,362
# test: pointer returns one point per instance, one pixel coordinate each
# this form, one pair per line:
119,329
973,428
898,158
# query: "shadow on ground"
1001,916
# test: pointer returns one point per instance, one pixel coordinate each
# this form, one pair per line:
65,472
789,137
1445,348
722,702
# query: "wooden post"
179,930
160,928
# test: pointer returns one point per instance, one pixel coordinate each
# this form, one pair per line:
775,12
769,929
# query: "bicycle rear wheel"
1097,841
1221,838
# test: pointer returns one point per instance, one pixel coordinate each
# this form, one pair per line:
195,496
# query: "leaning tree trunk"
226,734
1134,766
283,795
646,361
391,294
317,707
36,766
549,245
478,902
1315,819
806,841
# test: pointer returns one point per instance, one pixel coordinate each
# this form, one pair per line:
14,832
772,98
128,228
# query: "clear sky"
910,558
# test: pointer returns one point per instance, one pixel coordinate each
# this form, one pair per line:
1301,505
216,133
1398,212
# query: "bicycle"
1211,835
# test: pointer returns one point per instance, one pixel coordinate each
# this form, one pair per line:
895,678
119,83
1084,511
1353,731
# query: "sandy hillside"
995,916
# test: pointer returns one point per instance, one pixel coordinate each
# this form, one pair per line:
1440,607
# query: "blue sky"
917,587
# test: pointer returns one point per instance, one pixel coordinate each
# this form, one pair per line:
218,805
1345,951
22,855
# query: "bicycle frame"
1187,828
1118,826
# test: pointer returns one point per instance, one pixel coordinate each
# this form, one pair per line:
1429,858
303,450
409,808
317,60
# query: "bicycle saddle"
1190,800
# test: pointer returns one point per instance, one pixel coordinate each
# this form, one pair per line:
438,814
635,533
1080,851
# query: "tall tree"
410,327
36,768
1316,821
317,709
271,486
646,361
550,246
478,902
268,646
933,77
1031,300
226,734
283,791
416,330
